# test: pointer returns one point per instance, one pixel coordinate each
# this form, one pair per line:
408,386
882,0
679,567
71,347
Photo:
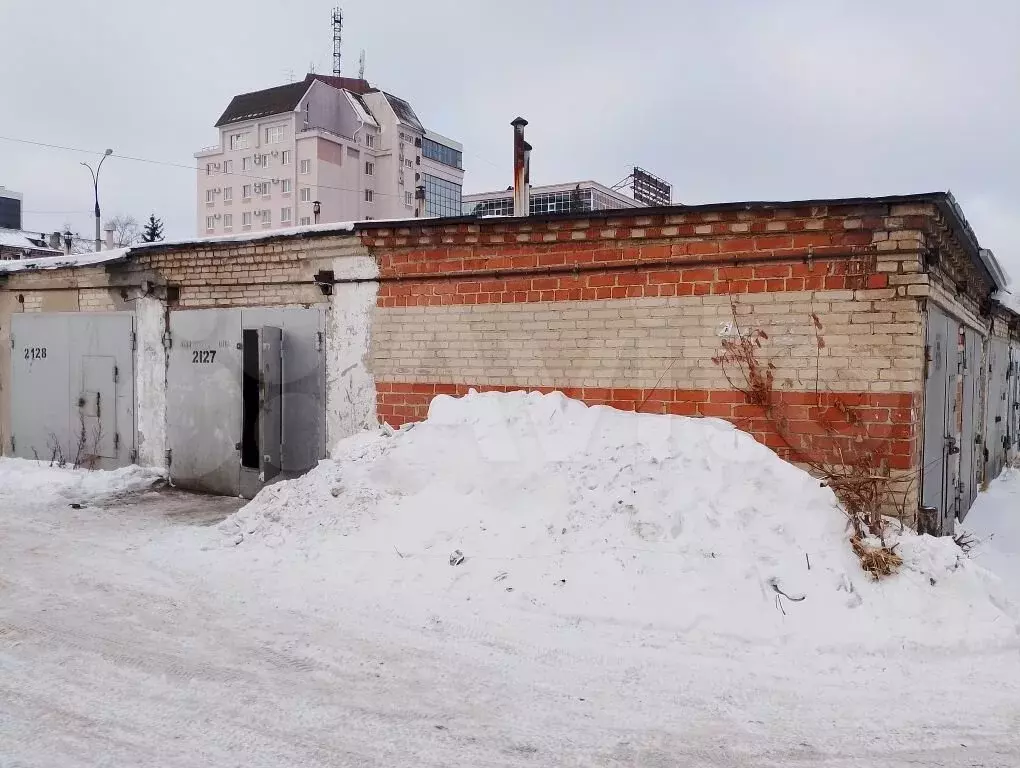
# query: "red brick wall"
813,425
451,315
638,281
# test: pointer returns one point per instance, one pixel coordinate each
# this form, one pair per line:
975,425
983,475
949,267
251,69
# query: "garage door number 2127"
203,355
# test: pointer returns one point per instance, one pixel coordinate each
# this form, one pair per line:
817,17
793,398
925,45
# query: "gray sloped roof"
403,112
270,101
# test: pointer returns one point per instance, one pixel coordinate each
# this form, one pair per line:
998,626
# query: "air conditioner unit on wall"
276,152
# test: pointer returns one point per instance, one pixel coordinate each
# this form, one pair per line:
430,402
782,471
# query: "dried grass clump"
878,561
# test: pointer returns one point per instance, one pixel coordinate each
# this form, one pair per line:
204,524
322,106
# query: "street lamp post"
95,189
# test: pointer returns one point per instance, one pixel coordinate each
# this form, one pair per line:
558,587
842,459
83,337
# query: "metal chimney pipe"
109,239
54,241
521,152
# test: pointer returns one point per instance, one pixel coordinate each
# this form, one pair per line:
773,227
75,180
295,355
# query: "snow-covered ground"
994,521
617,604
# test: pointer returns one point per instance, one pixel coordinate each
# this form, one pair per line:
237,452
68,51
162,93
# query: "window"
210,223
246,192
274,134
262,160
239,141
408,199
305,221
228,194
409,164
369,195
228,166
442,197
267,218
306,166
306,194
369,169
228,222
245,164
285,214
369,140
267,189
287,157
210,197
246,219
500,206
208,169
442,153
285,186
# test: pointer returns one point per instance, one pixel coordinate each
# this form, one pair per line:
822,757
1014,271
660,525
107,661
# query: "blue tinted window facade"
442,197
442,153
10,213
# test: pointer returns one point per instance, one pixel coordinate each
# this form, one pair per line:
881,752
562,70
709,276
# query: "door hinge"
318,341
168,456
168,340
13,449
134,341
133,457
116,441
116,374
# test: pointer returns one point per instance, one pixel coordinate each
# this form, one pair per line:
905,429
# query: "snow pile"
592,514
30,481
994,521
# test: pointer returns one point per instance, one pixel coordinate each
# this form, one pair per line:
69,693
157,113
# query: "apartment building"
552,198
321,150
10,209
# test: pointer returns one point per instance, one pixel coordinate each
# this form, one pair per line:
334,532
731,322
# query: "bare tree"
126,230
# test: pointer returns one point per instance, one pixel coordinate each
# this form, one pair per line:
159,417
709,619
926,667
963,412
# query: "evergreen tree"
153,229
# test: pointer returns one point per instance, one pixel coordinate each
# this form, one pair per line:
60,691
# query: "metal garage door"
971,444
246,396
996,407
203,403
936,412
72,391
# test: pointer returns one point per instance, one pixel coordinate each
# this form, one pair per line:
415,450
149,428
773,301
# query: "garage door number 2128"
35,353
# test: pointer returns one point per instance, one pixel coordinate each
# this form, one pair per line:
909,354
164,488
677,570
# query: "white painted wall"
350,386
150,381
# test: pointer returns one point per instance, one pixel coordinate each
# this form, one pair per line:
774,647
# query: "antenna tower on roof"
338,23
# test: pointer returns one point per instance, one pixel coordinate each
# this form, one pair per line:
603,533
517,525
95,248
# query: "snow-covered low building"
18,244
873,324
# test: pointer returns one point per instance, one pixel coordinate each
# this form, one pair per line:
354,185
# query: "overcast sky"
727,100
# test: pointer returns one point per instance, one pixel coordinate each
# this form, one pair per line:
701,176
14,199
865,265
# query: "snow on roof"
65,261
360,109
16,238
